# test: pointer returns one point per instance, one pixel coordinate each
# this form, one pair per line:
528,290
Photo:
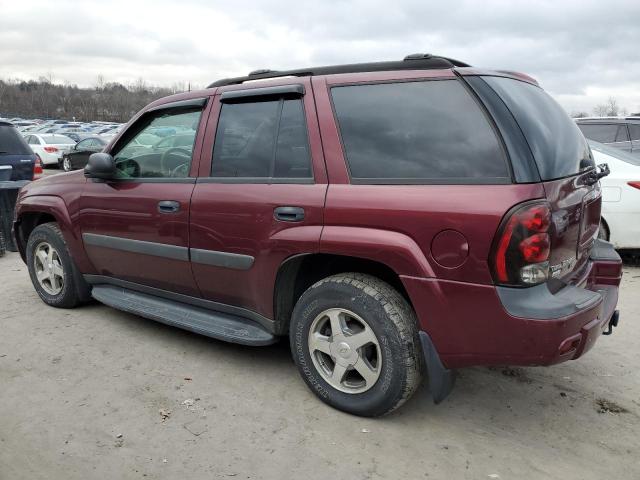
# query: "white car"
620,220
49,146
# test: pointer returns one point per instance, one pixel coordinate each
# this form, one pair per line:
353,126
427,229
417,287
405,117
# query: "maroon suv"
393,219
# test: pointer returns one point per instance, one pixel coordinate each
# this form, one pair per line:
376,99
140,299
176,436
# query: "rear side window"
558,147
417,132
12,143
262,140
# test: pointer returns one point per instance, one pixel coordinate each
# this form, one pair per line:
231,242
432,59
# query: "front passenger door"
135,227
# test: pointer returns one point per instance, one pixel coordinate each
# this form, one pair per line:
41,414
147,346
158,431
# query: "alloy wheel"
345,350
48,268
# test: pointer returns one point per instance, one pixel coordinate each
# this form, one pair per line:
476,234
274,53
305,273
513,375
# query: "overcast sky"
581,51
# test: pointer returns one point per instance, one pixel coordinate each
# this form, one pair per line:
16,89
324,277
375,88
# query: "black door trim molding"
221,259
214,258
174,252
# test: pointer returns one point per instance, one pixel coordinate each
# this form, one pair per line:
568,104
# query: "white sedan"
49,146
620,220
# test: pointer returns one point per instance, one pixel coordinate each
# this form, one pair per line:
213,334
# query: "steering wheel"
181,170
181,154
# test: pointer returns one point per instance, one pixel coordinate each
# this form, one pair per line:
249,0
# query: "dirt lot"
95,393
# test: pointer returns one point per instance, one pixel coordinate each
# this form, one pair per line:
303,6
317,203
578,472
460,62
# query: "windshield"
558,146
614,152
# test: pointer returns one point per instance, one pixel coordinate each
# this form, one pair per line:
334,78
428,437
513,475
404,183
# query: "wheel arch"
299,272
38,209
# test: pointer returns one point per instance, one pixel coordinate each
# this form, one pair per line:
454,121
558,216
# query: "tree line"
106,101
609,109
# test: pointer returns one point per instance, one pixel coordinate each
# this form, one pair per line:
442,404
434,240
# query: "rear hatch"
564,162
15,153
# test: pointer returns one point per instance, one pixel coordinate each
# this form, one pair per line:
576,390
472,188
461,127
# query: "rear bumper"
471,324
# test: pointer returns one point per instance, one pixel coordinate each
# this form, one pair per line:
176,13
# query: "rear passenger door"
260,193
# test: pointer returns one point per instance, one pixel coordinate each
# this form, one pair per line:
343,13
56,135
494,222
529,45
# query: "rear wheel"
66,164
354,340
52,271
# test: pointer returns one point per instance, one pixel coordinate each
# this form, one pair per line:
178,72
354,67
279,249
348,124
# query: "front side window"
264,140
143,156
417,132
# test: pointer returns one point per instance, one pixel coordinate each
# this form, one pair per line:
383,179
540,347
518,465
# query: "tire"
357,299
603,231
73,290
66,164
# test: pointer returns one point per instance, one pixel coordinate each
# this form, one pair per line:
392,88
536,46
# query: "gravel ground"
96,393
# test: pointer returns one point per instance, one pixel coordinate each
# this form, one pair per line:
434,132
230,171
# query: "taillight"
37,168
50,149
522,246
634,184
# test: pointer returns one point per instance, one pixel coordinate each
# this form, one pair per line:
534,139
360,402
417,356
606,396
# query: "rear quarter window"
417,132
558,146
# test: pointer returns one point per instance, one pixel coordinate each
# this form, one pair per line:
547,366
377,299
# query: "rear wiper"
596,175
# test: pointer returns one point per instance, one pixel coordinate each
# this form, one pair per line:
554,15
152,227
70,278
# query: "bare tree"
609,109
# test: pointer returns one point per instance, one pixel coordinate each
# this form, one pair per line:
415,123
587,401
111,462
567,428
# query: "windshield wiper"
596,175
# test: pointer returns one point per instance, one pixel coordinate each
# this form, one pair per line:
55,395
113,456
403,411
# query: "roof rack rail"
415,61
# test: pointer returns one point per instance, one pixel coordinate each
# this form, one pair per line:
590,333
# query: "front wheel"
354,341
52,271
66,164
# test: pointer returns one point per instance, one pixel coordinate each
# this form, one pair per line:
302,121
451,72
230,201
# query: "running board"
223,326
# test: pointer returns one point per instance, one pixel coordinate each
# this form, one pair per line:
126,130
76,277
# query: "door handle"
168,206
289,214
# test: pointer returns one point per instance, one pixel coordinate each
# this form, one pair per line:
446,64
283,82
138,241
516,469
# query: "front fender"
55,207
394,249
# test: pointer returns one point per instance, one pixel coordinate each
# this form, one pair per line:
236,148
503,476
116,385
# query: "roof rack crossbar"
416,61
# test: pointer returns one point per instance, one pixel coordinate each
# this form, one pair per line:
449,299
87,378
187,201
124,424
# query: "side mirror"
100,165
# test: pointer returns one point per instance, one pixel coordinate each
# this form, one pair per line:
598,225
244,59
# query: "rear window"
558,146
604,132
417,132
58,139
614,152
12,143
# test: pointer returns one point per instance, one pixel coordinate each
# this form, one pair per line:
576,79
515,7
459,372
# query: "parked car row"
64,127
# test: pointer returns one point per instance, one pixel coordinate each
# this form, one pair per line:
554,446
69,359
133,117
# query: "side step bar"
223,326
